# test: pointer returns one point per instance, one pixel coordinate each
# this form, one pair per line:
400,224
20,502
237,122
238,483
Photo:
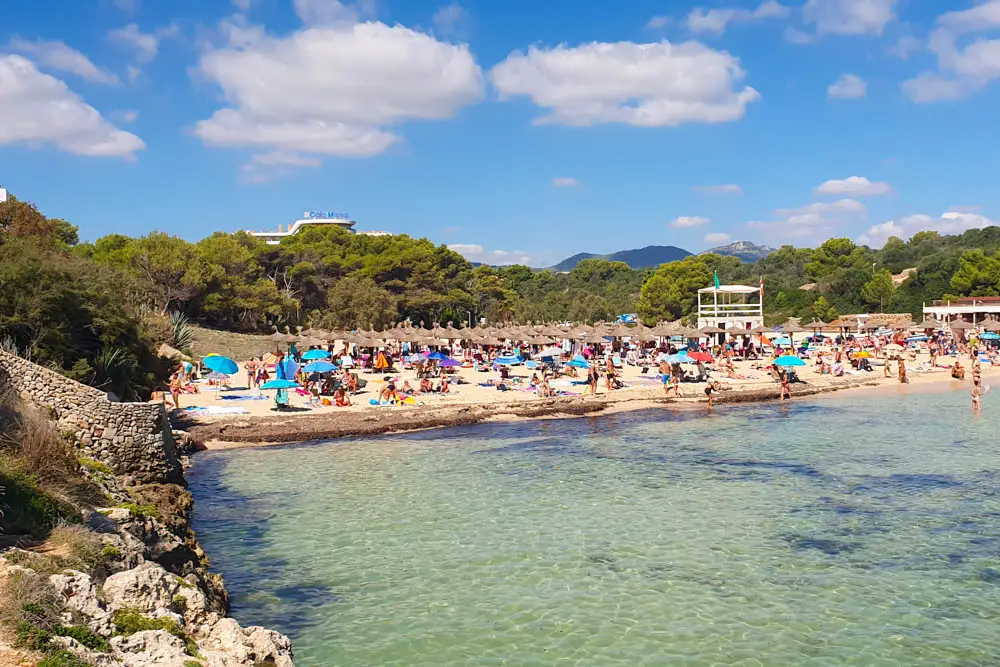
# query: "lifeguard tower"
728,306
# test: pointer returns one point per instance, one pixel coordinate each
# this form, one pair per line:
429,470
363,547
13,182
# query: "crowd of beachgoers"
319,371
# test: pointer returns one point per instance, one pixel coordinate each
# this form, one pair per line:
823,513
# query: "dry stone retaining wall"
134,439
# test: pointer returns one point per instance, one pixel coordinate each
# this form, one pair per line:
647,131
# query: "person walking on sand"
885,369
592,378
609,374
902,373
665,376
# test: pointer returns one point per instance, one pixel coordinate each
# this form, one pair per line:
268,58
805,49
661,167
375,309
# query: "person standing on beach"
592,377
786,390
609,373
176,386
665,376
902,372
977,392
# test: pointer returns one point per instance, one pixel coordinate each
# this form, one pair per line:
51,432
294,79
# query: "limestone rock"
89,656
229,645
79,594
152,590
150,648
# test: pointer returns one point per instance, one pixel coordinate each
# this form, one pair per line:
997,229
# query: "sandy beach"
469,402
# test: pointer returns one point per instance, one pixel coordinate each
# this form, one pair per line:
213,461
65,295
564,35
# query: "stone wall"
134,439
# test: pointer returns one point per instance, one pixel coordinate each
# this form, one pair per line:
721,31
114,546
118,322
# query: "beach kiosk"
726,306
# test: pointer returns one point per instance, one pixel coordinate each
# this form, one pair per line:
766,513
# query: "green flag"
716,277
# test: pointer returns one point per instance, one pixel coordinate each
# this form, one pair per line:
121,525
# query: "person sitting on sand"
388,393
341,398
406,389
442,387
957,372
426,386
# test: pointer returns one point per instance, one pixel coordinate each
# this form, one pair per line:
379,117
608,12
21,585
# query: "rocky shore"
149,599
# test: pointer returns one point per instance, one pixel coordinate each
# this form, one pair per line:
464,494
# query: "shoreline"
241,432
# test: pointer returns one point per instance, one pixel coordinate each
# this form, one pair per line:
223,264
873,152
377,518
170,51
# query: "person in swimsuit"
665,376
977,392
902,372
710,390
176,387
786,390
609,374
592,378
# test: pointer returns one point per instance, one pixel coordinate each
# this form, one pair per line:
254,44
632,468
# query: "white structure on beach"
3,195
730,306
313,218
973,309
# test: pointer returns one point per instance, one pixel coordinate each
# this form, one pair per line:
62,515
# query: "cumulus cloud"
725,189
267,167
847,87
906,46
655,84
334,89
812,221
144,45
565,182
242,5
961,70
717,20
477,253
853,186
332,12
849,17
951,222
38,109
717,238
796,36
62,58
686,221
129,116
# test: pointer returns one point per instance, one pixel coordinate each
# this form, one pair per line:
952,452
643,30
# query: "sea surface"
862,530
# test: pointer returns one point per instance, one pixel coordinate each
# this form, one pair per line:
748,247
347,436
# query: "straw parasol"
710,330
992,325
737,331
793,326
761,329
818,325
961,325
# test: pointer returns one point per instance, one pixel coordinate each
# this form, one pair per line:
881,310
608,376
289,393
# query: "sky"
515,131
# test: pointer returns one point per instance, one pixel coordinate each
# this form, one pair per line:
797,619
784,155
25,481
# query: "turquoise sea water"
861,530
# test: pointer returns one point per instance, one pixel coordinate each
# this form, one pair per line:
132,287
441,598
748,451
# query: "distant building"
970,308
730,306
313,218
3,195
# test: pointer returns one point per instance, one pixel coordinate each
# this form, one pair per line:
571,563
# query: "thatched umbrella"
761,329
710,330
687,332
737,331
992,325
961,325
928,323
818,325
792,326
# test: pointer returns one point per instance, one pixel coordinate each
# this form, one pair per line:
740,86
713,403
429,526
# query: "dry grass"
236,346
28,597
75,543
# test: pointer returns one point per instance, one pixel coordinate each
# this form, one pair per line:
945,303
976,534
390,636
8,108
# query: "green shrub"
110,552
63,659
178,604
192,663
27,509
141,511
129,621
32,637
96,466
85,636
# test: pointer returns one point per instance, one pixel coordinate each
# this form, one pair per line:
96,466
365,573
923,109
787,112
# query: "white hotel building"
313,218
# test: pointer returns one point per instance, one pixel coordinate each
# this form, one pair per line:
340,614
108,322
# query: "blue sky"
513,131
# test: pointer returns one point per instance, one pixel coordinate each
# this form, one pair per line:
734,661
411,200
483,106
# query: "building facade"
972,309
730,306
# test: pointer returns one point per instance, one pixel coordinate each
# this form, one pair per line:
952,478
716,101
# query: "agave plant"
115,371
181,331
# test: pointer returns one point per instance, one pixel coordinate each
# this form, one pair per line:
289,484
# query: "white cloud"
127,5
129,116
847,87
796,36
849,17
565,182
451,20
38,109
268,167
334,89
854,186
686,221
133,73
242,5
477,253
650,85
717,20
145,45
960,70
813,221
717,238
62,58
726,189
658,22
906,46
951,222
332,12
285,159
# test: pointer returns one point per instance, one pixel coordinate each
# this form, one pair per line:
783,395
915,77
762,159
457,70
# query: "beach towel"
217,410
244,397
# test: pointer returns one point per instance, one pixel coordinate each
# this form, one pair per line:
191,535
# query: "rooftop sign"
326,215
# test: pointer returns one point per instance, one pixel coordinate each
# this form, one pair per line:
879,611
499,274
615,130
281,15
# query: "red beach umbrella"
701,356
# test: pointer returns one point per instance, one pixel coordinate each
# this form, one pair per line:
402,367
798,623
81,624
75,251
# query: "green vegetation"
96,466
63,659
130,621
141,511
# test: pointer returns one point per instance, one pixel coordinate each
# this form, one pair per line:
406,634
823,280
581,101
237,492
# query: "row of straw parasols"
549,334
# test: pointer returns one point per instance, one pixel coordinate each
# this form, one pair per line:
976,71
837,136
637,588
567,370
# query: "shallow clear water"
850,531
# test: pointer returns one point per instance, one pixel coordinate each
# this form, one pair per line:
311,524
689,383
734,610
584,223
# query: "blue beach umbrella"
989,335
220,364
280,384
319,367
508,361
286,369
789,360
781,341
312,355
916,339
436,356
680,359
578,363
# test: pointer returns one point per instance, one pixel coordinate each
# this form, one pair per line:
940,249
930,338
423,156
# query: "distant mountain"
640,258
743,250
